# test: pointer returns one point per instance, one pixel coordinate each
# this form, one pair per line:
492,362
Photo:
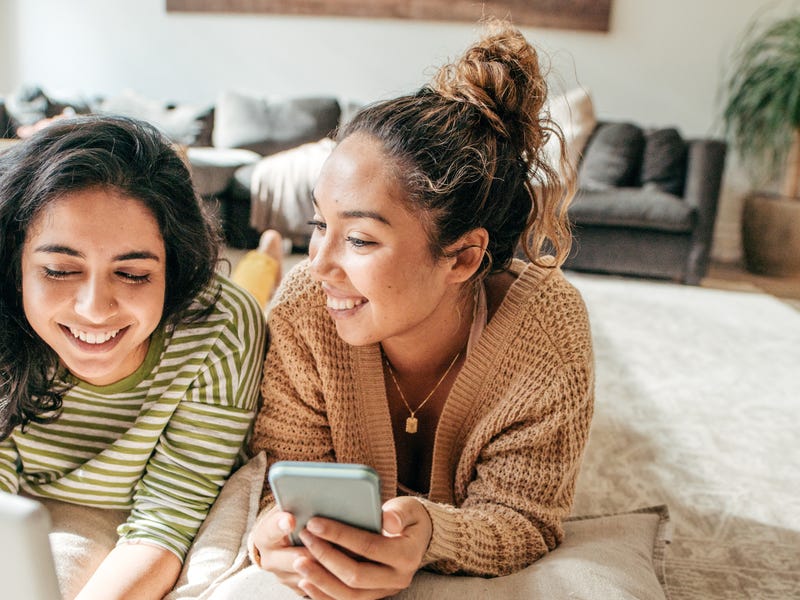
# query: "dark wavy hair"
71,155
469,151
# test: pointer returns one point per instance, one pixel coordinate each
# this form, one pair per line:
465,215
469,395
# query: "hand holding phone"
346,492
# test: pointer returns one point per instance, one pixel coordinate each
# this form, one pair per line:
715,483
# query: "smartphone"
346,492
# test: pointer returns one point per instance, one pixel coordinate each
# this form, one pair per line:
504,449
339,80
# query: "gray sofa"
646,203
247,129
223,143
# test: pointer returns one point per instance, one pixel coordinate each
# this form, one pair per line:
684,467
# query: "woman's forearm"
133,570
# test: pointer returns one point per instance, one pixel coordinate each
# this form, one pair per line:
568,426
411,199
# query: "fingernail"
301,567
306,538
314,526
284,524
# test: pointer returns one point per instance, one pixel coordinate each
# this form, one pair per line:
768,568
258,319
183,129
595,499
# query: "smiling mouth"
93,338
344,303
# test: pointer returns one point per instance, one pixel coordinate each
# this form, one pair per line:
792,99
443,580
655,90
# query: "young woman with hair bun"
412,340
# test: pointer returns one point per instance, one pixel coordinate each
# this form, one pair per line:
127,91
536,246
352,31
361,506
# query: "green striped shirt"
162,441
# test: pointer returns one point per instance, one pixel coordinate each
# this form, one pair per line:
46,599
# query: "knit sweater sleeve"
522,486
292,423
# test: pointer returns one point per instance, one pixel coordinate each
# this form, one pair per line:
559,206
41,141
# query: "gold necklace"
411,421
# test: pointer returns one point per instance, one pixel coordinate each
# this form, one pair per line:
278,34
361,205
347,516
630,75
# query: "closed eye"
57,274
131,278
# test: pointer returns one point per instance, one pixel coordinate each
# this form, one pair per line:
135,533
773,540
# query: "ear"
466,254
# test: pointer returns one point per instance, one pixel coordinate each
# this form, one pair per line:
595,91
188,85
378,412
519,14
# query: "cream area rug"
698,407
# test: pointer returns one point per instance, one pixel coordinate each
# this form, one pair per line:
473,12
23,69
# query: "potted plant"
762,122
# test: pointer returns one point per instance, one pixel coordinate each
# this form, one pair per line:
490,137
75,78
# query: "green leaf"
762,95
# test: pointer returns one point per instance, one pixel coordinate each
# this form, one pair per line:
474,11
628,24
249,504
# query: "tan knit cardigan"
510,438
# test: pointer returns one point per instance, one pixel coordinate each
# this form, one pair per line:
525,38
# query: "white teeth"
93,338
343,304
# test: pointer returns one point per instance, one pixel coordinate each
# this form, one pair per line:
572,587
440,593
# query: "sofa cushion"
268,125
573,112
183,123
664,161
640,208
612,157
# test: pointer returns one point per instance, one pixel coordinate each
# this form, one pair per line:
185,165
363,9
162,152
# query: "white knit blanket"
281,188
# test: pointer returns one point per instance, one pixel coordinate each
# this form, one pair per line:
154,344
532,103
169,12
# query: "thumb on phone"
271,529
403,512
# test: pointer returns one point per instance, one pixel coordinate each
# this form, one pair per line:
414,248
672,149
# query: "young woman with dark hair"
129,369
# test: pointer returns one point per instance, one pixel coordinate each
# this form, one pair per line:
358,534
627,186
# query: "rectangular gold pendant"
411,425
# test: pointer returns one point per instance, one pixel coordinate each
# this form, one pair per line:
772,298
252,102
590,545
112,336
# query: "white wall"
8,56
660,64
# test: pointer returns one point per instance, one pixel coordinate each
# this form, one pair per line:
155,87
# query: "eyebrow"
59,249
359,214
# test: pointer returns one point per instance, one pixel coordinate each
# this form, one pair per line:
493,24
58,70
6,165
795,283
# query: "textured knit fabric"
162,441
510,437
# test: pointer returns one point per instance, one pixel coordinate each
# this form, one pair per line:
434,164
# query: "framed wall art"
587,15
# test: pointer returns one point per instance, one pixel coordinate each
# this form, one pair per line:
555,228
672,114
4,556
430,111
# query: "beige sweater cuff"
446,535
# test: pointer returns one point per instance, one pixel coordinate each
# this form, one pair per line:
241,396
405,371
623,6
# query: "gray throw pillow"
612,158
181,123
268,126
664,161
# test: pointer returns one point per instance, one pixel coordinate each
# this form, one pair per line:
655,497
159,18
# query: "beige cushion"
574,113
611,556
81,537
614,556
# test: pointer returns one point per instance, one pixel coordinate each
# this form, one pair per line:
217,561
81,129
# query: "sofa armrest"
706,162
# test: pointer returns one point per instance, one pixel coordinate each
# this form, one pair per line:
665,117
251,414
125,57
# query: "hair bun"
499,75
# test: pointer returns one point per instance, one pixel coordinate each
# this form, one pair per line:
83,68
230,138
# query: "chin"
354,338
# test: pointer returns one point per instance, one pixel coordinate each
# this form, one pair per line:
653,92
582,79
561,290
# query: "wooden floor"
735,277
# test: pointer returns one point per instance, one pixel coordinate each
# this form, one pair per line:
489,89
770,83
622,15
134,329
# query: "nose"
95,300
324,264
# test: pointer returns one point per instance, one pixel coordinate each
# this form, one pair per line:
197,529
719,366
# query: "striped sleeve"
200,445
9,480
